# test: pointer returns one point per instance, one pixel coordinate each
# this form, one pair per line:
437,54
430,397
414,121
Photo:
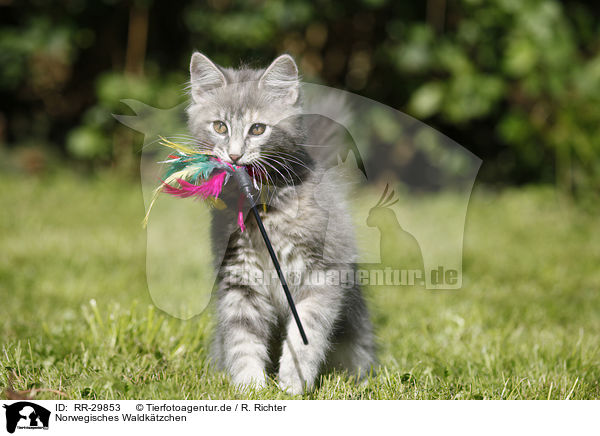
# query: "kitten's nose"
234,157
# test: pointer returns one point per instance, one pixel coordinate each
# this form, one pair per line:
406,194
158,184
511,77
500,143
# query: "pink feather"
240,219
211,188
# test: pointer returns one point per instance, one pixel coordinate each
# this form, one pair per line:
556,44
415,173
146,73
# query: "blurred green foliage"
525,65
517,82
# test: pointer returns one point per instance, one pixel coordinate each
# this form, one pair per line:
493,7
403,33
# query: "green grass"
76,316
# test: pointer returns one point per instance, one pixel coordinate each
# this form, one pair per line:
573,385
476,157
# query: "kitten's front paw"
249,378
295,378
292,386
291,380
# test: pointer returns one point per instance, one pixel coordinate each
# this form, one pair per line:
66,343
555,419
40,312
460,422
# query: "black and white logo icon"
26,415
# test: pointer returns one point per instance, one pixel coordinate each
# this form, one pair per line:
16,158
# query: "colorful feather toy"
193,173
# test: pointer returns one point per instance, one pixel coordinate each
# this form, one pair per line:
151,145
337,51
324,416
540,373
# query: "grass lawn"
76,316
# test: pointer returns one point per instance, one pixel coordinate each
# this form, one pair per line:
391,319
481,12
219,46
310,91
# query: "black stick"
246,186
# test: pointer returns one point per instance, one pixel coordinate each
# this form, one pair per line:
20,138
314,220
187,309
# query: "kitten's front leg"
244,326
300,364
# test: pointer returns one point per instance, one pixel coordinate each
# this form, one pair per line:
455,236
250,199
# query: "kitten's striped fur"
255,333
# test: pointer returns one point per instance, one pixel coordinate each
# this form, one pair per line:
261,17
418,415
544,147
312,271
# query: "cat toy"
202,175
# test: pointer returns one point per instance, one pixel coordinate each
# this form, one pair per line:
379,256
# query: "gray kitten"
253,117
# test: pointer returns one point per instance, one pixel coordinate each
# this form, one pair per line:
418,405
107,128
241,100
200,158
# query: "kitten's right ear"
204,75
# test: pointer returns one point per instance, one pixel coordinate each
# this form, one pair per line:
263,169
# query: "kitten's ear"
204,75
281,79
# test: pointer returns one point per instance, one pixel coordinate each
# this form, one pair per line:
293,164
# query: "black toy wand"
245,184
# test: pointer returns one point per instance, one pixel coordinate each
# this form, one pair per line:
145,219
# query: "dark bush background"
517,82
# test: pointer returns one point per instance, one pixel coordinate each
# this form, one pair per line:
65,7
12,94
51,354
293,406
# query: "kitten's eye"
257,129
220,127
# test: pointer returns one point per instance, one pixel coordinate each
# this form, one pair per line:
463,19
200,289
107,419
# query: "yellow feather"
154,197
263,198
182,174
170,180
217,203
178,147
182,148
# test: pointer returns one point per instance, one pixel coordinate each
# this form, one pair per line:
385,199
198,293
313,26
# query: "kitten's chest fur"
298,226
296,248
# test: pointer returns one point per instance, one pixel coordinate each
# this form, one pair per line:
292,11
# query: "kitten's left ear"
281,79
